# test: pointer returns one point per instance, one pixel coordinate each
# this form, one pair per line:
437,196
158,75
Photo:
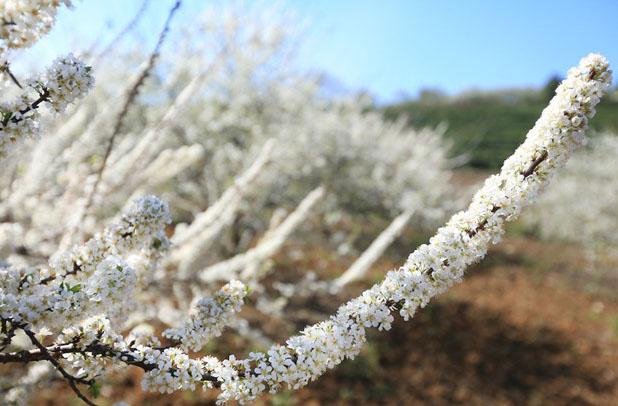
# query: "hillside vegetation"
490,125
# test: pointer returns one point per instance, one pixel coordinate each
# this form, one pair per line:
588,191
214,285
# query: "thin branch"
43,96
6,69
534,164
95,349
124,31
131,96
70,378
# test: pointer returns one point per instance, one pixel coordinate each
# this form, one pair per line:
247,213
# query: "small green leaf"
156,243
76,288
119,268
93,159
95,389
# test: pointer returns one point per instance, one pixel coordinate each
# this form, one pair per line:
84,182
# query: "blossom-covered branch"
23,22
96,277
67,80
211,316
120,118
432,268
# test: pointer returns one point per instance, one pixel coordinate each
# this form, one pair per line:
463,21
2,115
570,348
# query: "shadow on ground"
454,353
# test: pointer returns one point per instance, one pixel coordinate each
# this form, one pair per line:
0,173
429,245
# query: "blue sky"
395,47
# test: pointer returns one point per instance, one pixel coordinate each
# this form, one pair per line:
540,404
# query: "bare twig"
131,96
124,31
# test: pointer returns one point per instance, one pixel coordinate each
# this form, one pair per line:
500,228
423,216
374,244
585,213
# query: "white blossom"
23,22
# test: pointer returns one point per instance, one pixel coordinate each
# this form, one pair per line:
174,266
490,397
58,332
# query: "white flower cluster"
141,227
168,369
30,298
67,80
211,316
96,329
23,22
93,278
175,370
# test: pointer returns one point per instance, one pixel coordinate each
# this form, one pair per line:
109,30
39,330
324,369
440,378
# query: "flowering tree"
77,310
221,105
247,152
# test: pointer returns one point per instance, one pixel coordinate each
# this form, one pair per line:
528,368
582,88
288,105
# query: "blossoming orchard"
134,234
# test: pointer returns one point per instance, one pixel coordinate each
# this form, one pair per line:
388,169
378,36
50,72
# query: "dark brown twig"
94,349
6,69
70,378
530,170
43,96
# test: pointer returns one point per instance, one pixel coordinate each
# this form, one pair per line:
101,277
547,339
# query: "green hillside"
490,125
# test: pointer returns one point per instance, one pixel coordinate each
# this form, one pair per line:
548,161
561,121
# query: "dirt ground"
522,329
